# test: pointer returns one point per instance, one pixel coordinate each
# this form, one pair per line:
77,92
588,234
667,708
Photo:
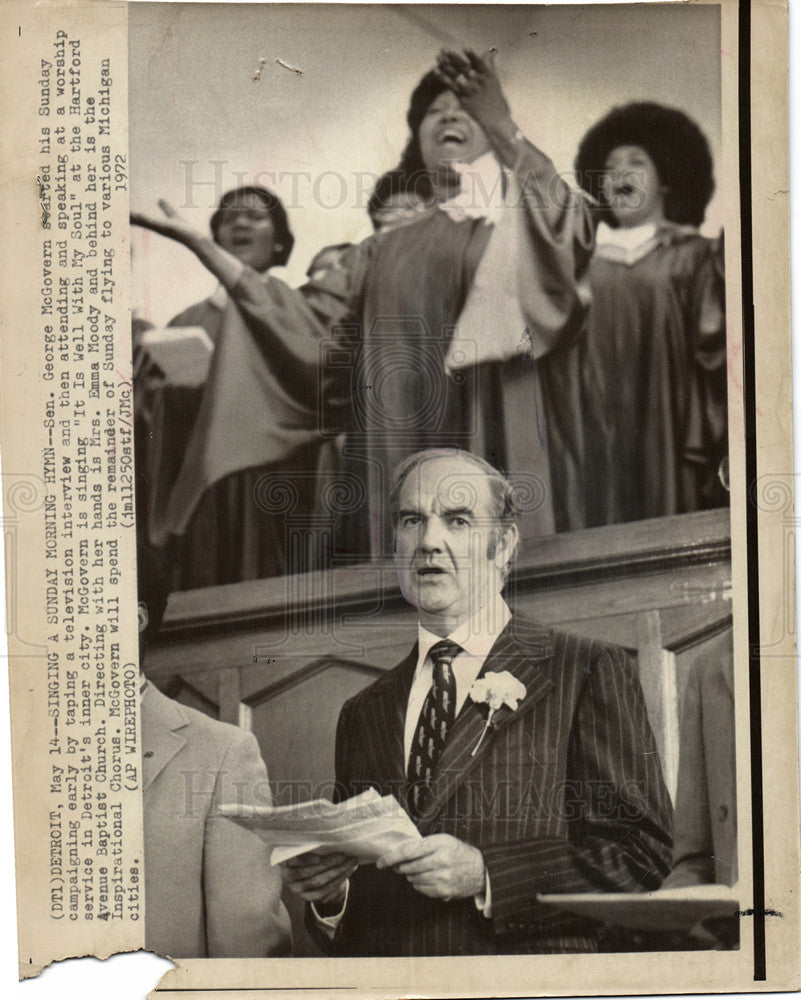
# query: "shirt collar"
476,636
625,237
481,190
626,245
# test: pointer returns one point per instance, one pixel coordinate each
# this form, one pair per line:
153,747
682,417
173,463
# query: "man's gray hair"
504,506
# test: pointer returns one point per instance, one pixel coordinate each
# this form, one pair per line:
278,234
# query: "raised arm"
542,245
287,324
475,82
222,264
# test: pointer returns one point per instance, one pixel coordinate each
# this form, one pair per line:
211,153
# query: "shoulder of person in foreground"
224,749
706,807
243,913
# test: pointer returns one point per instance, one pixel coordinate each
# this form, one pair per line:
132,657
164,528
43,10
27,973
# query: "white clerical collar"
627,237
481,190
476,636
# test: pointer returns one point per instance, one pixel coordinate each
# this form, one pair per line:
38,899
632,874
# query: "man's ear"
507,544
144,616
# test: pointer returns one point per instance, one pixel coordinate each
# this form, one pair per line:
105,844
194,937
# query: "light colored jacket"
705,842
209,888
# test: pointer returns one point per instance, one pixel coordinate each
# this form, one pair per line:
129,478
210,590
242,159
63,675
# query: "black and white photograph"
397,498
430,370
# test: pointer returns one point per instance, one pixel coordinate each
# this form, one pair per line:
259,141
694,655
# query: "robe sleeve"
300,332
706,438
279,378
530,293
553,283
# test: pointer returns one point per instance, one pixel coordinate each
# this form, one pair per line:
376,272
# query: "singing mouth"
453,135
624,190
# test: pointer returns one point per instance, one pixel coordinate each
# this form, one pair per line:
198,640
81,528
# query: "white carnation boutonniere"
496,690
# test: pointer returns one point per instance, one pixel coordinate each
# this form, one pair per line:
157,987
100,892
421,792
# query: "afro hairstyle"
677,146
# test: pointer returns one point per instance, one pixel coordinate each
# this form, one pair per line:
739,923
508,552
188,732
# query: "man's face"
444,537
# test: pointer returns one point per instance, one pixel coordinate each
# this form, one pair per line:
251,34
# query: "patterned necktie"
436,718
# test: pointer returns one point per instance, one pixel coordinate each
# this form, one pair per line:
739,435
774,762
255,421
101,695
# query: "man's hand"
319,878
439,866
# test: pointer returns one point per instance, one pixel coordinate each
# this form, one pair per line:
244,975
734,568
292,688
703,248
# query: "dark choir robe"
429,335
643,426
236,529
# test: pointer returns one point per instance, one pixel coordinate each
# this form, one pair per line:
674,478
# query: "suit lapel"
383,719
162,720
523,649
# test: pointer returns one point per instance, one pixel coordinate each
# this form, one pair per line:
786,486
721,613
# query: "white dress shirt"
476,637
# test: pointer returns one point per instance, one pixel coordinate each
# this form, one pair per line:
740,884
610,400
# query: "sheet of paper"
365,826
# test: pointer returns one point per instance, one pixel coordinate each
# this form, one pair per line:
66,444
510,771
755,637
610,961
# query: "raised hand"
222,264
474,81
169,223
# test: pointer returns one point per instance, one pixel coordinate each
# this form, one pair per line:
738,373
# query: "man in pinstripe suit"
563,793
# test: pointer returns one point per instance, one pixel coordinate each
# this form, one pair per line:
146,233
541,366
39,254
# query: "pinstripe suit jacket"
565,794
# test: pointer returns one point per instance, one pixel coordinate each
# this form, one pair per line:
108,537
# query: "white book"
181,353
